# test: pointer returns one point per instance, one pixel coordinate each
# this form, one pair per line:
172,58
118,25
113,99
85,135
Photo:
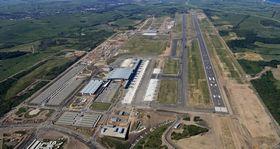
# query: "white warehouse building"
92,87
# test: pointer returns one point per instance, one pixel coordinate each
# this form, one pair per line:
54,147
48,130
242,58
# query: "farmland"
34,45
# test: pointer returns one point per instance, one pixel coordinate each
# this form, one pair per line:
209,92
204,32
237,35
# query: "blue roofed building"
126,72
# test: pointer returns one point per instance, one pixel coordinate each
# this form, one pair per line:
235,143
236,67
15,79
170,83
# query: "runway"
208,68
183,74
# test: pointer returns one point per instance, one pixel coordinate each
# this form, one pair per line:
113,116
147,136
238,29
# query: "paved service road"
210,74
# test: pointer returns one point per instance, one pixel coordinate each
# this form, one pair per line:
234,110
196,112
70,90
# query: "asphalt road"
166,137
210,74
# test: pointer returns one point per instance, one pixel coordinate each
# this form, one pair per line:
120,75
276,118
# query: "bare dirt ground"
197,142
252,115
223,134
206,141
153,118
162,57
249,56
75,144
50,134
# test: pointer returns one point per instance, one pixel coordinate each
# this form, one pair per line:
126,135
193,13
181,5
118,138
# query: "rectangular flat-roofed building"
79,119
114,131
120,74
92,87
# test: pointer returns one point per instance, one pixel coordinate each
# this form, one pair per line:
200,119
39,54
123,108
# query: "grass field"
115,143
198,90
152,140
144,45
171,66
100,106
178,26
14,65
168,92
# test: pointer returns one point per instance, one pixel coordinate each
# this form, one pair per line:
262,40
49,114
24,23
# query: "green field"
168,92
115,143
171,66
199,93
153,139
100,106
144,45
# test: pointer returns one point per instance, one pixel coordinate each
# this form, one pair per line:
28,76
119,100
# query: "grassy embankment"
152,140
188,131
